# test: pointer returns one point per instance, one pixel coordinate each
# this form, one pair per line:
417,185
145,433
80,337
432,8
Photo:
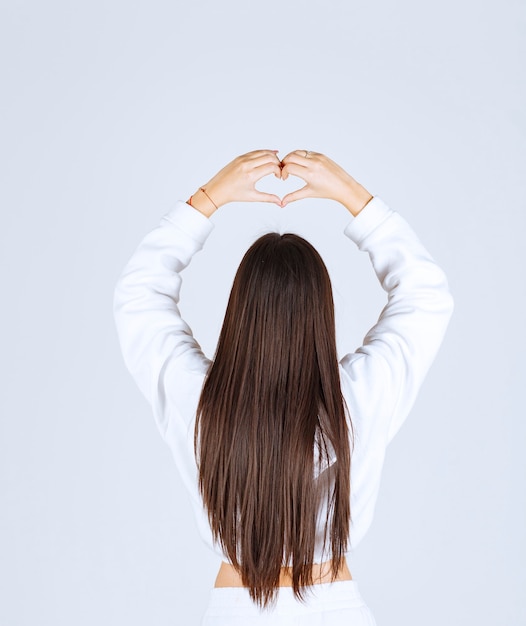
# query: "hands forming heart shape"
323,179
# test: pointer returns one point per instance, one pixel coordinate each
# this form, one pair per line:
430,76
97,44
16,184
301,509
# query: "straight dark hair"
270,400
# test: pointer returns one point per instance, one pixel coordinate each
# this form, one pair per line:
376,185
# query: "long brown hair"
270,400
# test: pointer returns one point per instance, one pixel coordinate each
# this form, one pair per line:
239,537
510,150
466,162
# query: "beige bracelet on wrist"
204,191
198,202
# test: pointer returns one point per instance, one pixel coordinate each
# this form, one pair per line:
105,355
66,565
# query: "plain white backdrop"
113,110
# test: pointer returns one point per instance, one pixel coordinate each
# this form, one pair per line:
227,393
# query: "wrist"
356,198
203,203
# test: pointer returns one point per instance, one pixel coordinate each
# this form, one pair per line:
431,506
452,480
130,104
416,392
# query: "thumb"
267,197
296,195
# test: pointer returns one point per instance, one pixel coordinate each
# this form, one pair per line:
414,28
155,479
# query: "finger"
261,196
298,156
299,194
259,153
262,160
266,169
293,169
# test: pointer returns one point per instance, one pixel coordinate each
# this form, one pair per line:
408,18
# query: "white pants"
334,604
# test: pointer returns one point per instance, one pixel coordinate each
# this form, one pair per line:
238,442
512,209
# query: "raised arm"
386,372
399,349
154,339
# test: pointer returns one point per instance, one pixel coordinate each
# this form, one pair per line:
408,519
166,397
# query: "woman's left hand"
324,179
236,182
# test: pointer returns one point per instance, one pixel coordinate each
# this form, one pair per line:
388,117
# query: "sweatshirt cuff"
189,220
374,213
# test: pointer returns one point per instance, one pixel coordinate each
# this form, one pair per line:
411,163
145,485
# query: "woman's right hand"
236,182
324,179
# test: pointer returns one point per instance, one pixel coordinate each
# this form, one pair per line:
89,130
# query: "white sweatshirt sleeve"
386,372
152,334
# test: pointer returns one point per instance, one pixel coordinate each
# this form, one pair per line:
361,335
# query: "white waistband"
339,594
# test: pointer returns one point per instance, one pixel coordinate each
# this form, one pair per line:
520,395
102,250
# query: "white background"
111,111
